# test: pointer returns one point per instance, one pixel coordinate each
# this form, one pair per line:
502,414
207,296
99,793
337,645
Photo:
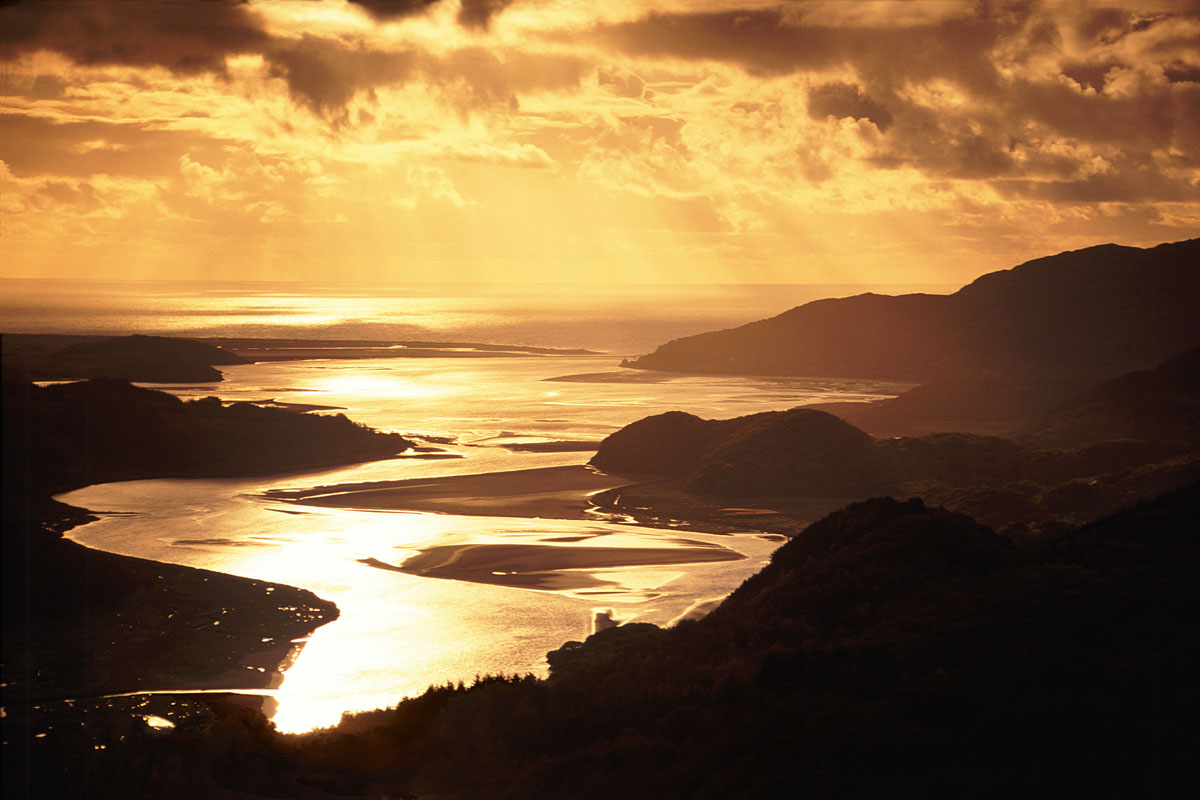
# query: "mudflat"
547,493
548,566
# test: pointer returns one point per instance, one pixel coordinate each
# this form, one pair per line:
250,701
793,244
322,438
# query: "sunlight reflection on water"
399,633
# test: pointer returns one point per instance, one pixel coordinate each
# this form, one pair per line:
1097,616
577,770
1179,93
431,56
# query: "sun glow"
579,142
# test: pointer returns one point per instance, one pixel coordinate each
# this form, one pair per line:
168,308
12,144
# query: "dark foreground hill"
146,359
1088,314
891,650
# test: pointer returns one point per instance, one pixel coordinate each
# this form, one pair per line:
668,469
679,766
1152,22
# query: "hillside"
1159,404
68,435
1112,446
146,359
1087,314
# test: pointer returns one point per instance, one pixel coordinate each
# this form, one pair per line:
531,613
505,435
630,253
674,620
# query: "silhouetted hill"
73,434
147,359
1161,404
804,453
794,452
1087,314
66,436
892,650
986,406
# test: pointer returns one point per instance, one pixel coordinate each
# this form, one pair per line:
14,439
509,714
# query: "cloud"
479,13
185,36
1029,91
845,100
519,155
325,74
622,83
430,184
773,42
770,124
79,148
476,14
394,9
100,197
1129,184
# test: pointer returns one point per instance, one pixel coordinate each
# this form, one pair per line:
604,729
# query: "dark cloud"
185,36
478,13
759,40
472,13
1180,72
1187,45
1138,185
1104,24
47,87
1089,75
325,74
1109,25
393,9
766,42
945,146
999,124
846,100
1142,120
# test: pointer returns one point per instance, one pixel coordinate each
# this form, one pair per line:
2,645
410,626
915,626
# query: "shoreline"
95,625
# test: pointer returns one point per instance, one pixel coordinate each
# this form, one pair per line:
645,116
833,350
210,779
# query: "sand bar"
547,492
547,566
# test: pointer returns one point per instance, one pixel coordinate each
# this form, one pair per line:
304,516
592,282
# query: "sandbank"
547,493
548,566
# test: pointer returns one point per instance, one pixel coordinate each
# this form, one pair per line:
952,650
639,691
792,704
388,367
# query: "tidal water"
623,320
398,633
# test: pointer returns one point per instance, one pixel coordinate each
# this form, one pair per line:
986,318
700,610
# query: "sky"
585,141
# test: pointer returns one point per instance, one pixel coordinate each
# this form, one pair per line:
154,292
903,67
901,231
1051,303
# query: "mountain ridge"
1086,314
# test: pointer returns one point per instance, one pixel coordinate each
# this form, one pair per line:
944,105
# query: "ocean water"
399,633
624,320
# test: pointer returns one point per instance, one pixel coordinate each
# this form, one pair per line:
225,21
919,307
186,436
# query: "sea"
399,633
